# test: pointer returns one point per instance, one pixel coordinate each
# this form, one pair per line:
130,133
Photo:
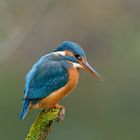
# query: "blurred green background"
109,31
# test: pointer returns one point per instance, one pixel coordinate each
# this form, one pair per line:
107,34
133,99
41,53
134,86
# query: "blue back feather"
46,76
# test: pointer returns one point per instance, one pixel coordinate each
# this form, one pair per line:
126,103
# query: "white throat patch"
76,65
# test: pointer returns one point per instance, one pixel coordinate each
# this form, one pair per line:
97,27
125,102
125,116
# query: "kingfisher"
54,76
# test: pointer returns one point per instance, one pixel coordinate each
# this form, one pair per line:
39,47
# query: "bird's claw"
61,115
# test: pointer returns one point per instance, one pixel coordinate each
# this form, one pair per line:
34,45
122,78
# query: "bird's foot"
61,114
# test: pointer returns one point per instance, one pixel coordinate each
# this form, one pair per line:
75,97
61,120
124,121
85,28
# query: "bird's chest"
73,78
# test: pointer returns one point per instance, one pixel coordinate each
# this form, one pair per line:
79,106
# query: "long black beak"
87,67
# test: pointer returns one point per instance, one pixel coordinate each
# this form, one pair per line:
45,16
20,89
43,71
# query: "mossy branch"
41,127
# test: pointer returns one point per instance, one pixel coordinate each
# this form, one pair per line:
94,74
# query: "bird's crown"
72,47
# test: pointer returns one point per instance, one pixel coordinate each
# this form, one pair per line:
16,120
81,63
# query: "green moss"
41,127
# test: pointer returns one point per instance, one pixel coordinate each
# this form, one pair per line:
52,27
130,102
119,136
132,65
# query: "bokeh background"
108,30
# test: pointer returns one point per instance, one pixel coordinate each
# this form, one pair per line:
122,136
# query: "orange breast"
56,96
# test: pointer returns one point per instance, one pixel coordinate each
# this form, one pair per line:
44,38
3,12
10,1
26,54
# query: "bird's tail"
25,108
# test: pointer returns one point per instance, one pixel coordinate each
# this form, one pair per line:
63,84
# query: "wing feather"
44,78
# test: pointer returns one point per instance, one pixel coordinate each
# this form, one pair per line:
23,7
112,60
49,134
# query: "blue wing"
44,78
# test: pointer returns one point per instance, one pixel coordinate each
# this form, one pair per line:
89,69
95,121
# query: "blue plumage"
25,104
46,76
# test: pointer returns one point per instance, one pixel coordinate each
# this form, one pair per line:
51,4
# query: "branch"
41,127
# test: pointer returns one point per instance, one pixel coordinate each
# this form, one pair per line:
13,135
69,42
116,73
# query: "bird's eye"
78,56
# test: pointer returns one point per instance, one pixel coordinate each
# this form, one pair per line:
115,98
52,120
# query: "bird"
54,76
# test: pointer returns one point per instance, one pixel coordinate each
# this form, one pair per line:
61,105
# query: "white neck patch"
60,53
76,65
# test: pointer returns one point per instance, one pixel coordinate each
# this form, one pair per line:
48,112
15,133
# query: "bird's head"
73,53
